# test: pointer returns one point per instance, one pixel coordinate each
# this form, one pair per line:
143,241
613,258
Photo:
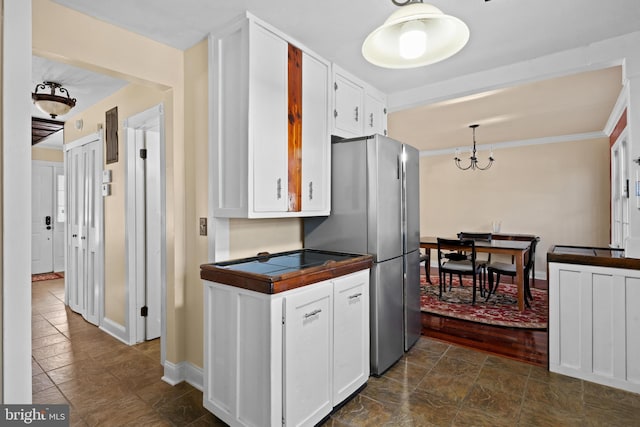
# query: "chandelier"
417,34
50,103
473,160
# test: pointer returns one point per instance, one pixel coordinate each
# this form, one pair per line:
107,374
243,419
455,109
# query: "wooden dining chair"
483,259
458,267
426,259
506,269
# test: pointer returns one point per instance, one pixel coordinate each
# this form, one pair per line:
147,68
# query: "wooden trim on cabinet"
295,129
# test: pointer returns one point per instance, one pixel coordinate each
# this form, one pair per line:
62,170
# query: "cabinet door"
348,100
308,329
351,334
316,143
375,116
268,120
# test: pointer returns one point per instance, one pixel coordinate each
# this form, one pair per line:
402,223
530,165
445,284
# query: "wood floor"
526,345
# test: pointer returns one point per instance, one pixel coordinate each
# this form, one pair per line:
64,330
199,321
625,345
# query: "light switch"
203,226
106,189
106,176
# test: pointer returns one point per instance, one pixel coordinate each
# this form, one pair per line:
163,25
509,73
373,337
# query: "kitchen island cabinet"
269,115
286,336
594,315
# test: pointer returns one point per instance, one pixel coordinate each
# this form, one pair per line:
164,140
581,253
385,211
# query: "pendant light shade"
415,35
50,103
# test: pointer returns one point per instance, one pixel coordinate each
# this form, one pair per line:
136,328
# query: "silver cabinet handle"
310,190
313,313
279,188
357,113
359,294
335,113
371,120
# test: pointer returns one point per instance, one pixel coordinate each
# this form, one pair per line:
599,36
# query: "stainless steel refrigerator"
375,210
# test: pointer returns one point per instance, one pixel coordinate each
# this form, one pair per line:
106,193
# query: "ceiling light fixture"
417,34
50,103
473,160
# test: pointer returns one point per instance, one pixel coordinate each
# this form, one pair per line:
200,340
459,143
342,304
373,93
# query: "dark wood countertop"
232,273
585,255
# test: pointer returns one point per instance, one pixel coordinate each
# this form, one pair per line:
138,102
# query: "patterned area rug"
501,309
46,276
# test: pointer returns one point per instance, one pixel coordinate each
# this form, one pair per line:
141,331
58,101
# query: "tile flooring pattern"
436,384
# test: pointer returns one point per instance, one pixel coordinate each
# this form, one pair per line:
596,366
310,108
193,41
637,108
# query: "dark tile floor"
436,384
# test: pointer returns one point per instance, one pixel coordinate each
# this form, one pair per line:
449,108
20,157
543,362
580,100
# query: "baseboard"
175,373
114,329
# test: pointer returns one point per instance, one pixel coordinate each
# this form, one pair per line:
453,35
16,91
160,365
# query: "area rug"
500,310
46,276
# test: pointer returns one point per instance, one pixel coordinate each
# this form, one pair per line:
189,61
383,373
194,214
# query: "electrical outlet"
203,226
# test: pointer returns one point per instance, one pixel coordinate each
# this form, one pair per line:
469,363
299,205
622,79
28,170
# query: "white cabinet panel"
249,103
350,334
308,353
316,159
347,111
375,115
287,358
268,113
358,108
591,313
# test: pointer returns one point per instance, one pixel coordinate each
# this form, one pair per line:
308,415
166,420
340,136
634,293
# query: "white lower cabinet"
285,359
594,318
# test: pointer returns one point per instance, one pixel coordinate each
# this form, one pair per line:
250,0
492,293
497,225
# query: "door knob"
48,227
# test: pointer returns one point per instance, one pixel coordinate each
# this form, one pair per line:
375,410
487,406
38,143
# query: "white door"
619,192
84,273
148,220
59,217
145,224
42,219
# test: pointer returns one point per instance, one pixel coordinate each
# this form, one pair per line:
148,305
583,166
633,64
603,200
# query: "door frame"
152,118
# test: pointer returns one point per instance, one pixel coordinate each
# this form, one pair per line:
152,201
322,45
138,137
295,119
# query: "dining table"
516,248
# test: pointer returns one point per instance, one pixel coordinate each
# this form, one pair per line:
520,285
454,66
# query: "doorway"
145,225
47,217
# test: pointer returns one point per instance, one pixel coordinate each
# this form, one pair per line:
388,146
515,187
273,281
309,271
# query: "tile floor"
436,384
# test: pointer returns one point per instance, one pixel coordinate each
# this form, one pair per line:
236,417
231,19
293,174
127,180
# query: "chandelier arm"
457,160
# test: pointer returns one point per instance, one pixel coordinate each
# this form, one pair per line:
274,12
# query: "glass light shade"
445,36
53,108
412,42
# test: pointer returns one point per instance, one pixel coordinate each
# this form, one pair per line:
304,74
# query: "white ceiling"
502,32
86,86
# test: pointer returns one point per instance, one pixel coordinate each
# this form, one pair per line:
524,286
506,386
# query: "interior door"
42,219
75,271
85,230
148,224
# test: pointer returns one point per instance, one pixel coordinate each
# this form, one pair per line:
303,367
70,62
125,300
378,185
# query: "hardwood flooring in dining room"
525,345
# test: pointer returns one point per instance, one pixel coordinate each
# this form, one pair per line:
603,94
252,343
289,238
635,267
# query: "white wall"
16,192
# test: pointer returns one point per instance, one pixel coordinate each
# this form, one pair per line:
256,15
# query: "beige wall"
250,236
68,36
557,191
47,154
130,100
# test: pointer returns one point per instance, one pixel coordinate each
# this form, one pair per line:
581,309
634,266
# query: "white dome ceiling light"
415,35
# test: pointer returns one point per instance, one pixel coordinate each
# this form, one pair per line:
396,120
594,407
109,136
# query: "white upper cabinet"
358,108
269,116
